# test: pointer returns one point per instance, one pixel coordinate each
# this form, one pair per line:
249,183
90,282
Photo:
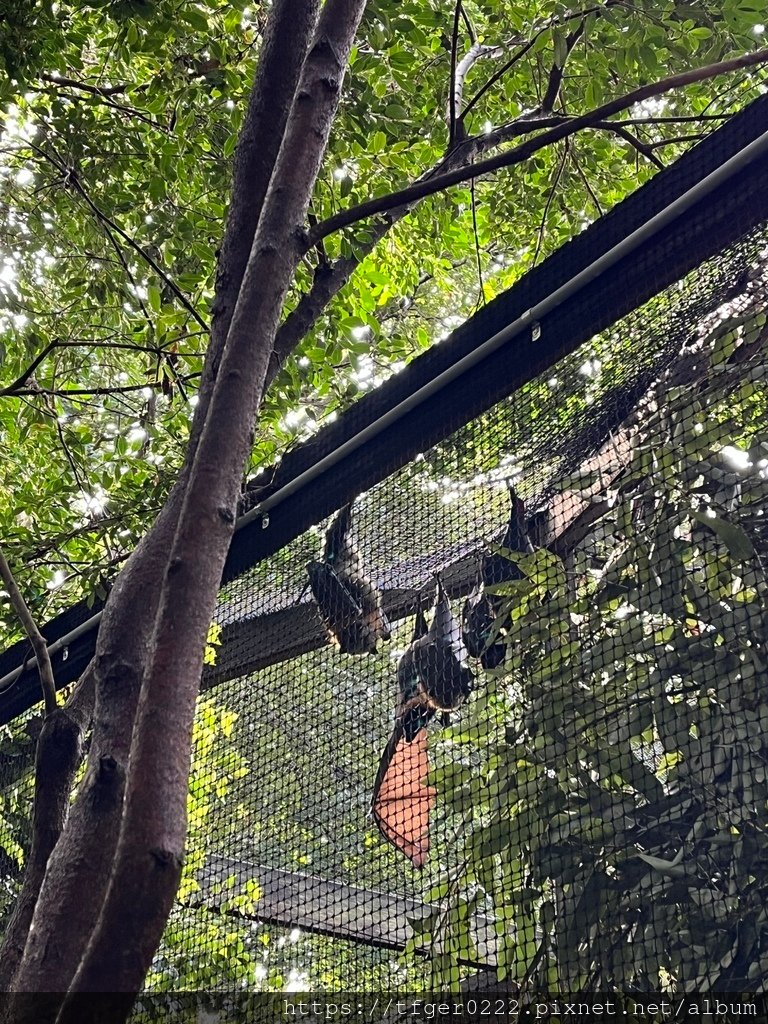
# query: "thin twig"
643,148
468,25
96,90
481,283
585,179
123,389
549,23
72,178
98,97
548,204
452,98
556,73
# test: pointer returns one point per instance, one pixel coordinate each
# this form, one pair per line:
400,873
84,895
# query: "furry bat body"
481,609
349,603
432,677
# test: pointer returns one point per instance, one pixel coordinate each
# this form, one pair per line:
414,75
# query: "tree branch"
428,187
21,380
453,103
475,53
286,42
329,280
58,343
73,892
527,124
468,25
643,148
527,45
70,177
585,179
99,96
548,204
478,259
58,756
557,71
95,90
505,67
121,389
133,244
36,638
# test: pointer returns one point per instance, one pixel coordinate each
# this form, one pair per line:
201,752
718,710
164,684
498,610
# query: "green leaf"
732,535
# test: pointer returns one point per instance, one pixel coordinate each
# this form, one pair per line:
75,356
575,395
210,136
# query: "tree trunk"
149,655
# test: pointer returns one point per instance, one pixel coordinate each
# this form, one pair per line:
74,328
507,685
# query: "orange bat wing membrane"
402,800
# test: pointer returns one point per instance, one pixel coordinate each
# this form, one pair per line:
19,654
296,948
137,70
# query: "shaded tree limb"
138,249
476,52
527,124
428,187
70,177
148,861
287,38
478,257
36,638
557,71
94,95
526,45
58,756
453,100
72,894
58,343
643,148
72,83
468,25
118,389
550,197
68,455
587,184
506,66
329,279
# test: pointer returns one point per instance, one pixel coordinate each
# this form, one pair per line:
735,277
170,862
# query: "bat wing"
331,592
369,599
381,624
341,613
402,800
480,630
477,622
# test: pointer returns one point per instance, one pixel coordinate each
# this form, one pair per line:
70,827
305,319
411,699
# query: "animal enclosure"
582,522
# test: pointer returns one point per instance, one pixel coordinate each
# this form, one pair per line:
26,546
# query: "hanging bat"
350,605
481,609
432,673
432,677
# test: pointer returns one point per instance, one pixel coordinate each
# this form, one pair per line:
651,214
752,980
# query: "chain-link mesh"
503,716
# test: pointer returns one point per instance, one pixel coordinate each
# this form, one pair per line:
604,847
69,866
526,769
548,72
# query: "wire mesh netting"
536,745
503,716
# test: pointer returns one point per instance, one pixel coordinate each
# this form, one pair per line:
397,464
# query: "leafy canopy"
119,124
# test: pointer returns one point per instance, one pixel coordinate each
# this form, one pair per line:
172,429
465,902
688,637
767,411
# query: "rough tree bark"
77,876
147,864
150,852
59,749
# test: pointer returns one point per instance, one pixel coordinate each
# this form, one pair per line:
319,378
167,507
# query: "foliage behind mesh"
601,798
